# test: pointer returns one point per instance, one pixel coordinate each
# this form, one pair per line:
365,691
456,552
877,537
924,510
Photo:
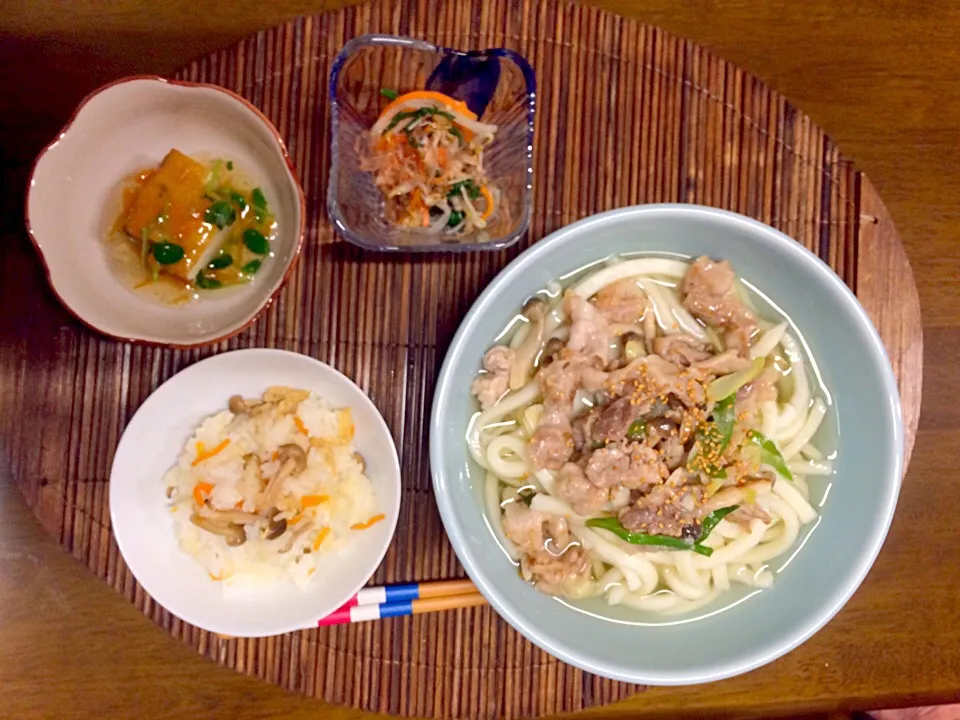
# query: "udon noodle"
646,436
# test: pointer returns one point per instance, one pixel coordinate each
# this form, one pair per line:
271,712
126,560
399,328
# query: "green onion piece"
727,385
207,283
256,242
714,439
259,199
637,429
229,164
614,526
473,192
144,245
167,253
213,180
400,117
389,94
455,131
769,453
456,217
221,214
238,200
712,520
220,262
415,115
251,267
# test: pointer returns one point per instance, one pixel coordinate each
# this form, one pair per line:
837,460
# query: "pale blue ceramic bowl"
854,520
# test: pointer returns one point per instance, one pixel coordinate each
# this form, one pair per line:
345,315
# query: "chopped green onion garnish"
256,242
769,453
221,214
207,283
712,520
637,429
167,253
614,526
238,200
714,438
220,262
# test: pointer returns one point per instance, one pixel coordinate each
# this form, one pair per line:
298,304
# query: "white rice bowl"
265,598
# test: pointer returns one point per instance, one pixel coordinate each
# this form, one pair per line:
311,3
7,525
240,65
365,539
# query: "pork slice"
725,363
622,302
489,386
550,555
589,332
634,466
552,442
583,496
680,349
670,508
708,292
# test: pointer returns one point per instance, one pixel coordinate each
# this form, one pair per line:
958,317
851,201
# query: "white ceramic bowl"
144,525
121,128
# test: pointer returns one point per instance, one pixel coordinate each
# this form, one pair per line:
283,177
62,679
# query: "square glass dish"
497,85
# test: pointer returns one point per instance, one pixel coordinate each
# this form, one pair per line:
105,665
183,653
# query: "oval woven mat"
626,114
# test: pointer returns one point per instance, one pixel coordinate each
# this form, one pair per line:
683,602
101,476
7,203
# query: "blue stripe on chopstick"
401,593
396,609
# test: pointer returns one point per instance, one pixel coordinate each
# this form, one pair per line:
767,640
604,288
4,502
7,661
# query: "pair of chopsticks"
386,601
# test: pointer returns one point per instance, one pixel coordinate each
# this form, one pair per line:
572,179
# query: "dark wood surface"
882,84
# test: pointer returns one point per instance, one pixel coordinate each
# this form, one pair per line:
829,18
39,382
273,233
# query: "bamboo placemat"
626,114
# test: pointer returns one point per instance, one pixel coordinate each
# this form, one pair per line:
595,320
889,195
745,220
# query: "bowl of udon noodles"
667,444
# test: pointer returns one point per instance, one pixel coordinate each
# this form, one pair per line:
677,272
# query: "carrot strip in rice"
369,523
201,491
204,454
308,501
321,536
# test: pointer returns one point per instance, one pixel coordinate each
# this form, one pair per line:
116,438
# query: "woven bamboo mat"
626,114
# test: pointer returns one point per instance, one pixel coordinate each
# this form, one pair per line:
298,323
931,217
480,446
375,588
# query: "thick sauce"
187,227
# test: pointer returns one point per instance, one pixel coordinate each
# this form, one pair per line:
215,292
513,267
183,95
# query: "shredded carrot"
218,578
488,196
369,523
204,454
313,500
238,505
442,156
321,536
200,492
300,426
295,519
275,456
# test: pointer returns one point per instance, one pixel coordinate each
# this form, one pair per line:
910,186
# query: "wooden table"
883,83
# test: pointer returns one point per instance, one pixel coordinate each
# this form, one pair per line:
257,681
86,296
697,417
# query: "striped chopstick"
410,591
408,599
